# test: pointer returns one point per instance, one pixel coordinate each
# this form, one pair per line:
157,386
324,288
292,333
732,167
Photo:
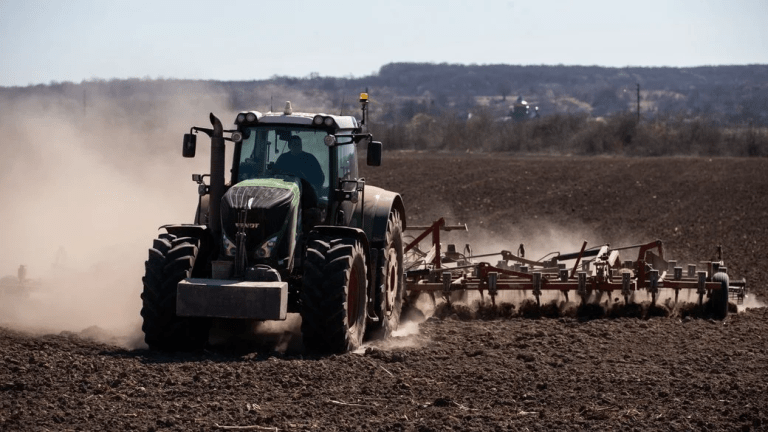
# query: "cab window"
346,162
285,150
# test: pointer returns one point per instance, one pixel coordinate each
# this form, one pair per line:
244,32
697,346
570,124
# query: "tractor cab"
319,150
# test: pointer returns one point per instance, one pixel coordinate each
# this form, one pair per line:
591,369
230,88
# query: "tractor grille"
266,211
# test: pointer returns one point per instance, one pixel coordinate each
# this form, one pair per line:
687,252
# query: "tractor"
521,110
294,230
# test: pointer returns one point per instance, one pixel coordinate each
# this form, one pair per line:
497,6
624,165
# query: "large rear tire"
389,277
170,261
719,298
333,298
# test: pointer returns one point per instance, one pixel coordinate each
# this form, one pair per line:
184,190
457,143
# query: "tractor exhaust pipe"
217,183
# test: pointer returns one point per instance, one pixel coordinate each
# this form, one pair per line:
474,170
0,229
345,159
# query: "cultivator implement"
586,273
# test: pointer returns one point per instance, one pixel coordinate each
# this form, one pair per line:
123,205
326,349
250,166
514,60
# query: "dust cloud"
85,186
750,301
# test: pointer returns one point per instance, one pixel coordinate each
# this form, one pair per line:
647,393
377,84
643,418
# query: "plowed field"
505,372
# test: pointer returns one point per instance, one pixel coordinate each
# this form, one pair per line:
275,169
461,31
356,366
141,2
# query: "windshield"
285,150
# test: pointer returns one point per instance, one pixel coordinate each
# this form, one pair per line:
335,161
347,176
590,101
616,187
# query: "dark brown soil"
475,367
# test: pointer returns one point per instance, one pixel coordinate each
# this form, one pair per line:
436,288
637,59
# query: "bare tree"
504,89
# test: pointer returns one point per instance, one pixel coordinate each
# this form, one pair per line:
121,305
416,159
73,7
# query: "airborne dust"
88,173
85,185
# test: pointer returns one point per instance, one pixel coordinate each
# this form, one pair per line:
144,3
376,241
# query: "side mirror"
374,153
190,143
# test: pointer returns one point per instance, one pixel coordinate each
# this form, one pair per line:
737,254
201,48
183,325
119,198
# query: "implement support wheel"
718,300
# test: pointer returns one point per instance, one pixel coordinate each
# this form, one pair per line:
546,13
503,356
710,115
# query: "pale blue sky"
76,40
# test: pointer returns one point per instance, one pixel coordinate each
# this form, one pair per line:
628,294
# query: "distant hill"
399,91
733,94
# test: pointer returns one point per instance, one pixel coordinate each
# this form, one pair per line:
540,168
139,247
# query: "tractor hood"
266,211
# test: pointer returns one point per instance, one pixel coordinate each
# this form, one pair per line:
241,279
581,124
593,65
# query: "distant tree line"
584,109
576,134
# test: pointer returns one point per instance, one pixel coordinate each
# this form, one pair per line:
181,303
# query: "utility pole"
638,102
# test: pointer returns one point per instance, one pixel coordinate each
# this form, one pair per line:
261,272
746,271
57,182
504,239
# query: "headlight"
250,117
240,118
229,248
317,120
266,248
328,121
329,140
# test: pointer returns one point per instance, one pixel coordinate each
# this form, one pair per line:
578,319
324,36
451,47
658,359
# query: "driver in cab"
300,163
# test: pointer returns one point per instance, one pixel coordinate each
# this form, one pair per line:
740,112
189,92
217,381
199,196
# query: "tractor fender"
342,231
207,243
187,230
377,206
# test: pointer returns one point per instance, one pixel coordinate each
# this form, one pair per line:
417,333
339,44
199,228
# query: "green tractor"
295,230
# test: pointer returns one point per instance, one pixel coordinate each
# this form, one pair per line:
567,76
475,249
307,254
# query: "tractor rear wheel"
333,298
389,277
170,261
718,300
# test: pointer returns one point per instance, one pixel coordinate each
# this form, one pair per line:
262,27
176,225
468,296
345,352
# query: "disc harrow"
591,271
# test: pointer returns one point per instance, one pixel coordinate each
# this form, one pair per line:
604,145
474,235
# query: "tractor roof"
298,118
344,122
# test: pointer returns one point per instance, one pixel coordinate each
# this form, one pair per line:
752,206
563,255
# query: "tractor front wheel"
333,298
170,260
